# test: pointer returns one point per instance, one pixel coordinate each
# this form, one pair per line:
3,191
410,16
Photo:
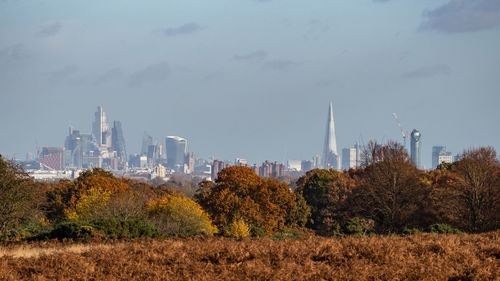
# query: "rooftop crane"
403,133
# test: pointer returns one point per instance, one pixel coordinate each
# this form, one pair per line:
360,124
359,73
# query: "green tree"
326,192
18,198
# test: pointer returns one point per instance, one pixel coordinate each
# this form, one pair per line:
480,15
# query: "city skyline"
250,79
112,145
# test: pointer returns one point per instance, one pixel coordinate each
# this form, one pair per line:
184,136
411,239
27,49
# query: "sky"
251,78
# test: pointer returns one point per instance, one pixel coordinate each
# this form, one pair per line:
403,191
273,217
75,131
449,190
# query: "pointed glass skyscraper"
331,158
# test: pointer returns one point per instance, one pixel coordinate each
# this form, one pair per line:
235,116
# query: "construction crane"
403,133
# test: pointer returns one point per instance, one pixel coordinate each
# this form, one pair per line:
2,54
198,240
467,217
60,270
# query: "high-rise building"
118,144
306,165
331,158
317,161
176,152
272,170
440,155
351,157
218,166
147,141
100,128
416,147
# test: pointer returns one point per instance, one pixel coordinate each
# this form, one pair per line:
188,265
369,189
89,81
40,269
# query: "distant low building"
52,158
294,165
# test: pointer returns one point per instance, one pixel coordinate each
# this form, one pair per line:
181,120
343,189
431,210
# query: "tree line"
387,195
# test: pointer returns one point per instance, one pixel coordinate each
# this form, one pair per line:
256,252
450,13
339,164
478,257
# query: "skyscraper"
118,143
100,128
351,157
331,158
147,140
440,155
416,147
176,152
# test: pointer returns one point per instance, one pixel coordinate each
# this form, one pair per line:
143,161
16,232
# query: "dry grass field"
415,257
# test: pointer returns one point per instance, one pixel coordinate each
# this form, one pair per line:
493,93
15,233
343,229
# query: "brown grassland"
412,257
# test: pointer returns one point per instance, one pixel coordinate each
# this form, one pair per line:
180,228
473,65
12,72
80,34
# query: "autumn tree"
179,215
476,199
238,193
86,197
391,190
444,189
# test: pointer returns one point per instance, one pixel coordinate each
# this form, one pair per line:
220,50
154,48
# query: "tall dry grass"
415,257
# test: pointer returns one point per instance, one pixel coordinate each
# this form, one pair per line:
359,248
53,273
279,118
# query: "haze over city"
251,79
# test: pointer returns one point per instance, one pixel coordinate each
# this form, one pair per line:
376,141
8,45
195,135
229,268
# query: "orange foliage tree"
238,193
391,191
476,200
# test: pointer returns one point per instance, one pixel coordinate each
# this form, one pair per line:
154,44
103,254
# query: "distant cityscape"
105,148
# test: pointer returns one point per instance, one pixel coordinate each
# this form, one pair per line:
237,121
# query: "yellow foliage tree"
176,214
93,190
238,229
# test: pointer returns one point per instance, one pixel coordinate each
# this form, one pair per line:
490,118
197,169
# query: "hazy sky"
249,78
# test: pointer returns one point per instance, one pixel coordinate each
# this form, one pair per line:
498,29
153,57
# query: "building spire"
330,154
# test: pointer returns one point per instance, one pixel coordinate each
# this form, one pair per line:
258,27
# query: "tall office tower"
176,152
416,147
440,155
147,140
118,144
316,161
330,155
100,128
351,157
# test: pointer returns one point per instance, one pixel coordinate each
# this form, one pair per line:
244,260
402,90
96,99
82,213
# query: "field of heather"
414,257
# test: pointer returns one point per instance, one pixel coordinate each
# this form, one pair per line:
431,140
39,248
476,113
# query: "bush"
238,229
409,231
178,215
72,230
129,228
357,226
442,228
106,228
256,231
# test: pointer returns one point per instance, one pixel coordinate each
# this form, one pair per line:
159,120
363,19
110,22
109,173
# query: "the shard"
331,158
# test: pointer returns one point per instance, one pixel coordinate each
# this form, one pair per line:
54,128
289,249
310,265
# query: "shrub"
125,228
410,231
72,230
105,228
357,226
178,215
238,229
256,231
442,228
